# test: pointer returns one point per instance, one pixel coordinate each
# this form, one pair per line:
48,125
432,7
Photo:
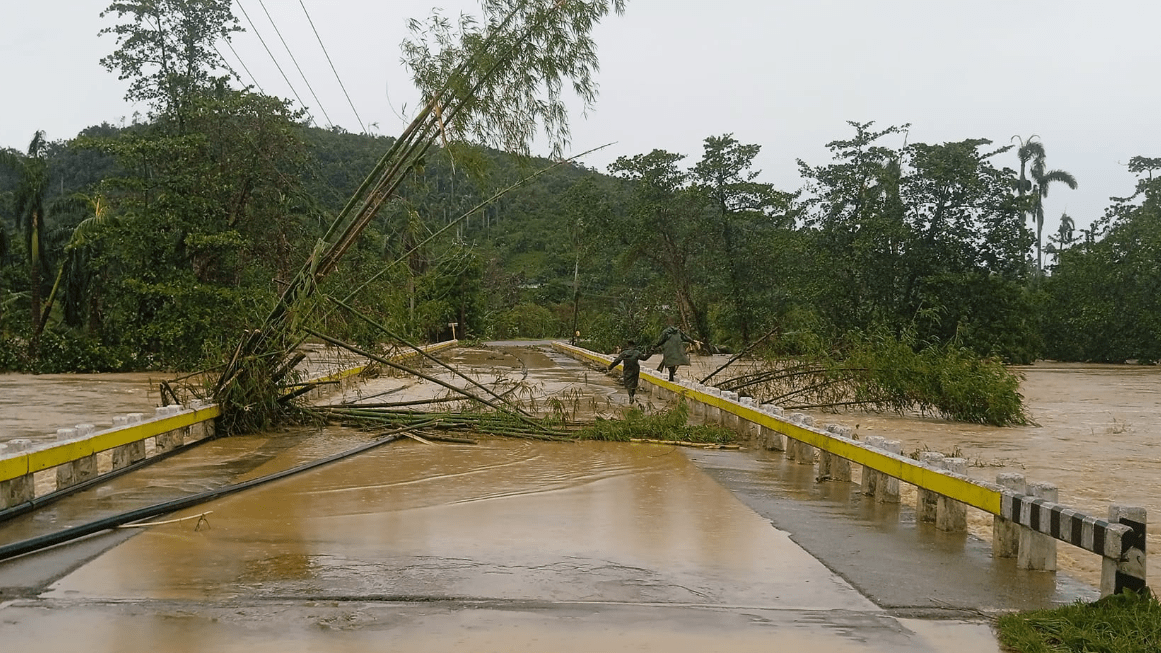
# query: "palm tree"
1028,151
1044,179
1032,156
29,201
1065,232
72,266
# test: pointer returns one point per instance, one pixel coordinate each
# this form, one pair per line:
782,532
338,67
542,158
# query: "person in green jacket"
671,343
630,356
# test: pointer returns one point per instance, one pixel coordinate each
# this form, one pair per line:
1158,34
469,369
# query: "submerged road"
507,545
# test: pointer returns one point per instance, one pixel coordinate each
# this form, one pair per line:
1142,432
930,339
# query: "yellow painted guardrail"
954,486
65,452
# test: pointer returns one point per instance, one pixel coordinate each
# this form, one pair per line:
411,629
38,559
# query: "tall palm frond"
73,259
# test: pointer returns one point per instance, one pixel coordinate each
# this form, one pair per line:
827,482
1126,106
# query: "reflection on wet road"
507,545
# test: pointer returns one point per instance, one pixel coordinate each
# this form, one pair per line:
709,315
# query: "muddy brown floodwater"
34,406
512,545
1097,438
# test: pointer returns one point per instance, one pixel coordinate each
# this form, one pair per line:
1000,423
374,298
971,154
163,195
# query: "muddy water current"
1097,437
35,406
516,545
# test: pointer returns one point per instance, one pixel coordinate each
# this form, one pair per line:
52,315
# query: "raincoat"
631,371
671,343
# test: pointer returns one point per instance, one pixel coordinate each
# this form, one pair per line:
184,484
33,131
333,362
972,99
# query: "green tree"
664,225
1032,159
30,200
1045,179
166,50
1102,304
742,207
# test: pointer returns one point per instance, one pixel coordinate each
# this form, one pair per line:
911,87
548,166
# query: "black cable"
277,31
272,57
328,56
52,497
52,539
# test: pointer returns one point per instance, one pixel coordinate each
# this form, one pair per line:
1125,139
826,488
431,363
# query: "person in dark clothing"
671,343
630,356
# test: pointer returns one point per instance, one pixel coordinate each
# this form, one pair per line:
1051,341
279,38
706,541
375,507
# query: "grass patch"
1125,623
670,425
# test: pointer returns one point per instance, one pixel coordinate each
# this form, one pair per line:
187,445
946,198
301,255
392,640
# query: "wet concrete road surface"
506,545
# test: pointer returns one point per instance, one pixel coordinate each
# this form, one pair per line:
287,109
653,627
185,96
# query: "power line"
328,56
253,79
299,68
272,58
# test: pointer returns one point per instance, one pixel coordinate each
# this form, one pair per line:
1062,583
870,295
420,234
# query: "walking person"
630,356
671,343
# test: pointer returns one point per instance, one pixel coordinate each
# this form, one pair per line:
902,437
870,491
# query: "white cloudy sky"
786,74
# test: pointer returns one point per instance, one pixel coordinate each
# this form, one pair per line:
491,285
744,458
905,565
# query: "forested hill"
155,245
167,245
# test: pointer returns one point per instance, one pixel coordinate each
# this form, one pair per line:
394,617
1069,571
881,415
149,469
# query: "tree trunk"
34,280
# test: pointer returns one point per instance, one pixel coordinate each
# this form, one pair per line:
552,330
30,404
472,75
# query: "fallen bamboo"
423,353
403,368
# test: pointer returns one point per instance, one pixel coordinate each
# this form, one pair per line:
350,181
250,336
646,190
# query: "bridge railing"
1027,521
75,456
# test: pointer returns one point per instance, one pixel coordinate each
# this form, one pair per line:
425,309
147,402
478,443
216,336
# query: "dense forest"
155,245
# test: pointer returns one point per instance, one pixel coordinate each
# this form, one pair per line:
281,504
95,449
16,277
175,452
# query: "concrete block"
19,445
887,490
127,454
120,421
66,434
773,409
871,478
840,469
1129,573
806,454
135,418
85,430
951,515
16,491
1006,533
772,440
926,501
1037,551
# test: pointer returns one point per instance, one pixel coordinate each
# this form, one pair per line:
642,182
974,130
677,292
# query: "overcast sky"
785,74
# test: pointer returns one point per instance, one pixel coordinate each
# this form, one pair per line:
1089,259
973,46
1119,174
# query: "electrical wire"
60,537
277,31
272,57
336,72
253,79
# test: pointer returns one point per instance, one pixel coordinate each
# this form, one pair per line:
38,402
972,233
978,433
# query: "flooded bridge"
511,544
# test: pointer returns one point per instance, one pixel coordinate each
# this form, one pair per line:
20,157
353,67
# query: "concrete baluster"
871,478
926,500
951,515
1037,550
887,491
1129,571
1006,533
21,489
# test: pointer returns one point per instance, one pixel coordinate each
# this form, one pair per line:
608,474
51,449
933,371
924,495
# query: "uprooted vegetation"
882,372
671,425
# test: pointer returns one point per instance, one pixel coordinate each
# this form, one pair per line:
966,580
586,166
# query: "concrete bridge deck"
505,545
